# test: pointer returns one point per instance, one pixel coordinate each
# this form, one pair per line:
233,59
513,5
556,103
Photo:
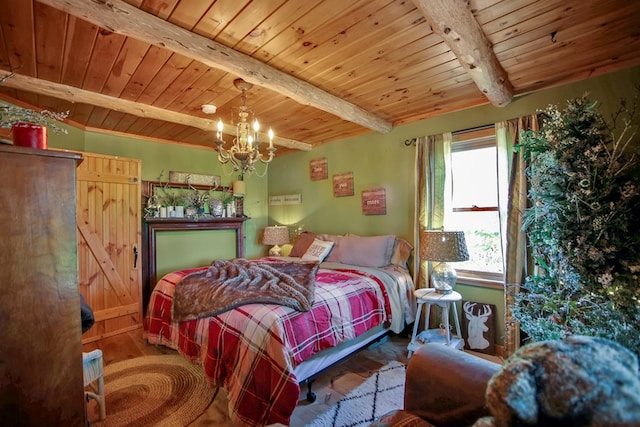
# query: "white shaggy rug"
378,395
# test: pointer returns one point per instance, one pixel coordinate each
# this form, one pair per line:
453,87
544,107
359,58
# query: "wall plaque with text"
318,169
374,202
194,178
287,199
343,184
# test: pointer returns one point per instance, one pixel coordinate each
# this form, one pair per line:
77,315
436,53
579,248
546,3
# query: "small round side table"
430,297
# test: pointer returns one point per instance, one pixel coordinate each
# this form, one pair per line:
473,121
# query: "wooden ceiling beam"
122,18
74,94
453,21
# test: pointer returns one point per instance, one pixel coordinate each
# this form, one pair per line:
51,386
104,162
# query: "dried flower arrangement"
11,115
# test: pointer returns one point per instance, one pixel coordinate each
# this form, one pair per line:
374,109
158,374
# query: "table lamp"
275,236
443,247
239,190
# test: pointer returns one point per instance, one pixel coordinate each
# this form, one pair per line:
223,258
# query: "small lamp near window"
443,247
275,236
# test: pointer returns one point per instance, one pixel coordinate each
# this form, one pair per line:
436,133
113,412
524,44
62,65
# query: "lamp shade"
239,188
444,246
275,235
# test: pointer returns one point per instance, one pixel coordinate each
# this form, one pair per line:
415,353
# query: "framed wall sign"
194,178
287,199
343,184
479,326
319,169
374,201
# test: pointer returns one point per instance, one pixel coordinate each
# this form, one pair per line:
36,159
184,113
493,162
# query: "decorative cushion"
371,251
302,243
317,251
401,253
580,380
328,237
334,255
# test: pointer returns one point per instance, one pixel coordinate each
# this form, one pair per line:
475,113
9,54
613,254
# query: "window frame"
464,141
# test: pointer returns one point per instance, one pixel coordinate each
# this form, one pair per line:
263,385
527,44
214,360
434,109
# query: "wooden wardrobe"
41,351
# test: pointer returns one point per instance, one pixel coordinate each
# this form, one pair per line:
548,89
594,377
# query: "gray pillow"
366,251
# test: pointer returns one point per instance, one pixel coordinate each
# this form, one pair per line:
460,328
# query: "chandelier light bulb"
270,138
220,128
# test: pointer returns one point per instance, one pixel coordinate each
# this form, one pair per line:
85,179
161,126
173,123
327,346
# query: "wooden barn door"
109,235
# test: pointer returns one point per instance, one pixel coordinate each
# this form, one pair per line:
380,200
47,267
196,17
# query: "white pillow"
317,251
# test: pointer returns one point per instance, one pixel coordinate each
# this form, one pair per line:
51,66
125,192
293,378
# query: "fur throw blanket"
576,381
229,284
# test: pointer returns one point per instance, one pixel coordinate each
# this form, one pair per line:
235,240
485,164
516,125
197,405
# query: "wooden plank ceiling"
322,70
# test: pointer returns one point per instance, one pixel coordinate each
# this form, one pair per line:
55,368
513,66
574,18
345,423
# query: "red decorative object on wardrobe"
30,135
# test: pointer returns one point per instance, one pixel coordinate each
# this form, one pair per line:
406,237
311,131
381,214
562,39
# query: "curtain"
433,166
512,201
433,172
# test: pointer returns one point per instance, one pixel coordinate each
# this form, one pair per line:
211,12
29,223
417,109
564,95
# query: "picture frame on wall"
319,169
194,178
343,184
374,201
479,326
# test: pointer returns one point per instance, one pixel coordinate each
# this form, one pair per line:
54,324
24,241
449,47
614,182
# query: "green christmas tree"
583,226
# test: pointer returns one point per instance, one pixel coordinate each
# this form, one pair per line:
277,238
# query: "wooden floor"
330,386
125,346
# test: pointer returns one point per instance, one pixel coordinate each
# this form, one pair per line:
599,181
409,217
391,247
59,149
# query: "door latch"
135,256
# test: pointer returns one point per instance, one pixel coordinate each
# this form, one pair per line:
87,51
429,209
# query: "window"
473,206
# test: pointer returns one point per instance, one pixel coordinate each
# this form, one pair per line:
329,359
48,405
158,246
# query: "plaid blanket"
252,350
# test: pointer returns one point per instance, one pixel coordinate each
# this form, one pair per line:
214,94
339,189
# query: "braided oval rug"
165,390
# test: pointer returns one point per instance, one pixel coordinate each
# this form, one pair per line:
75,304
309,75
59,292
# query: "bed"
260,353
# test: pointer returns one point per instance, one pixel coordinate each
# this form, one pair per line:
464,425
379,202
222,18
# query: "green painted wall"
384,160
376,160
74,140
181,249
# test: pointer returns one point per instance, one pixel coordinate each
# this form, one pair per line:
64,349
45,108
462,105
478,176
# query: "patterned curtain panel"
512,199
433,165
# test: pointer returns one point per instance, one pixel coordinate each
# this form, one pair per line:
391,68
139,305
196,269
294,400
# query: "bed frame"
306,371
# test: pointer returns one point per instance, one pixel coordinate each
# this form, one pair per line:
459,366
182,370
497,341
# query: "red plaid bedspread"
251,351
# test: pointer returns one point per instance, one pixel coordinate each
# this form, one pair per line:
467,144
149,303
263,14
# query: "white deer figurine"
477,325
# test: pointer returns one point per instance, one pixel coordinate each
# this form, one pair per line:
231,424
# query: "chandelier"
245,151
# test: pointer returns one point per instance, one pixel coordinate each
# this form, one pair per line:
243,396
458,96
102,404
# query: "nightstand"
438,335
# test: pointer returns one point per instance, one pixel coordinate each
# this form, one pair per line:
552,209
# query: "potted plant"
583,226
29,127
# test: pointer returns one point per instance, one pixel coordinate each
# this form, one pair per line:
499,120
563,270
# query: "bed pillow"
302,243
334,255
401,253
317,251
367,251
